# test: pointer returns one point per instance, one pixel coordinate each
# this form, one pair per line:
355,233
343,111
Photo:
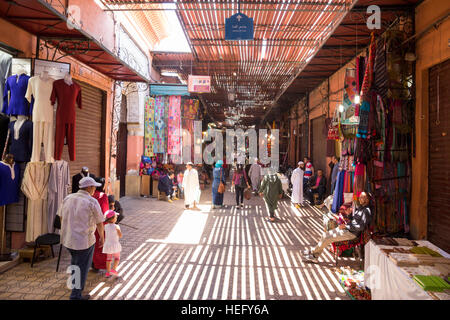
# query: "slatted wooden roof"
304,41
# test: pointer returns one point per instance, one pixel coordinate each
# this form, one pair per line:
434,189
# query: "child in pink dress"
112,246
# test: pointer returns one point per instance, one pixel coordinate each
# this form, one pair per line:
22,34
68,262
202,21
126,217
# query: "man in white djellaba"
191,186
255,175
297,184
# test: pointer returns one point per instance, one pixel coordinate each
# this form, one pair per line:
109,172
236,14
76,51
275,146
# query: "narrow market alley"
172,253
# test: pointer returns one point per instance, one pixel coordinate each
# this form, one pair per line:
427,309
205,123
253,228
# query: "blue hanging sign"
239,27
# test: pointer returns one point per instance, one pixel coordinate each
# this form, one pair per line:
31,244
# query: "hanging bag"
333,129
221,188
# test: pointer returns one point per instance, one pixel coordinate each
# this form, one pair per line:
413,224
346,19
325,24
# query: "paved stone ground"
172,253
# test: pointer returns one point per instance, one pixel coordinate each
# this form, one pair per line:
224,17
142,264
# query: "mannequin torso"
68,79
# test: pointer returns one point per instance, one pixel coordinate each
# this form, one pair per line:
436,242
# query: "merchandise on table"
353,283
425,250
431,283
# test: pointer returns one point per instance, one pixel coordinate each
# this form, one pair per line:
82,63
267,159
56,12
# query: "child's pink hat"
110,214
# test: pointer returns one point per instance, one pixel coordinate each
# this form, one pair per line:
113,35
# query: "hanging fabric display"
159,145
58,188
190,109
350,92
35,188
174,122
149,126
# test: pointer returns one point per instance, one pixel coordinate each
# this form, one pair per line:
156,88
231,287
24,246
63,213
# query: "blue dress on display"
9,187
18,104
338,197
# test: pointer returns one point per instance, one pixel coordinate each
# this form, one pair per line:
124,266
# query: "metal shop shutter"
438,157
319,144
89,132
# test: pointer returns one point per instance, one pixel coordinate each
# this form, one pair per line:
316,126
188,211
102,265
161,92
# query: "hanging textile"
161,110
190,110
58,187
149,126
35,188
350,91
338,197
358,185
174,123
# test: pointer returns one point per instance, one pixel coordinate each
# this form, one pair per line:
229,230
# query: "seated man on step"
359,221
317,185
165,184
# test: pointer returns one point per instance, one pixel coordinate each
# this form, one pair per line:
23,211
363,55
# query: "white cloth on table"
58,188
80,213
112,244
35,188
255,175
191,187
386,280
297,186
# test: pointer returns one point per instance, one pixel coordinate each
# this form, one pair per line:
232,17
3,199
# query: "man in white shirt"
80,215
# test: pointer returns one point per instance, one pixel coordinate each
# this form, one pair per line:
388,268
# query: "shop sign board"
239,27
199,84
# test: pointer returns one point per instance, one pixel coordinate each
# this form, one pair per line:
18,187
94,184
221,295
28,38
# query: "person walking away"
334,173
317,185
239,182
80,216
255,175
359,221
112,246
271,190
165,184
218,177
297,184
191,187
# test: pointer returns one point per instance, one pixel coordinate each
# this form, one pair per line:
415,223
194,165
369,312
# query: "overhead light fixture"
264,47
169,74
234,74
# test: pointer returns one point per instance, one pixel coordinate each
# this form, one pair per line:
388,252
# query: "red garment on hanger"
66,96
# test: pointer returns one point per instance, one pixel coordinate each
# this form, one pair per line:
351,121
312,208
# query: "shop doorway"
439,156
301,151
122,138
318,144
90,133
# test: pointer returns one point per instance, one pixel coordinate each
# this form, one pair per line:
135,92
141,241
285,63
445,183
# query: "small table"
386,280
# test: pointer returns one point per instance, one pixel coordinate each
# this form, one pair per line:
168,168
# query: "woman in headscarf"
218,176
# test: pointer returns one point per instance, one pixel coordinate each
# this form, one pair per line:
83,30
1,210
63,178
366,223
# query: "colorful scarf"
149,126
174,125
161,110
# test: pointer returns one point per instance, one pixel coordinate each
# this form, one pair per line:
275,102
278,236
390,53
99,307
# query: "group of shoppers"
306,183
89,229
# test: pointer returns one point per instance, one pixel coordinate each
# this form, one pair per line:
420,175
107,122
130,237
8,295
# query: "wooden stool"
27,253
162,196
